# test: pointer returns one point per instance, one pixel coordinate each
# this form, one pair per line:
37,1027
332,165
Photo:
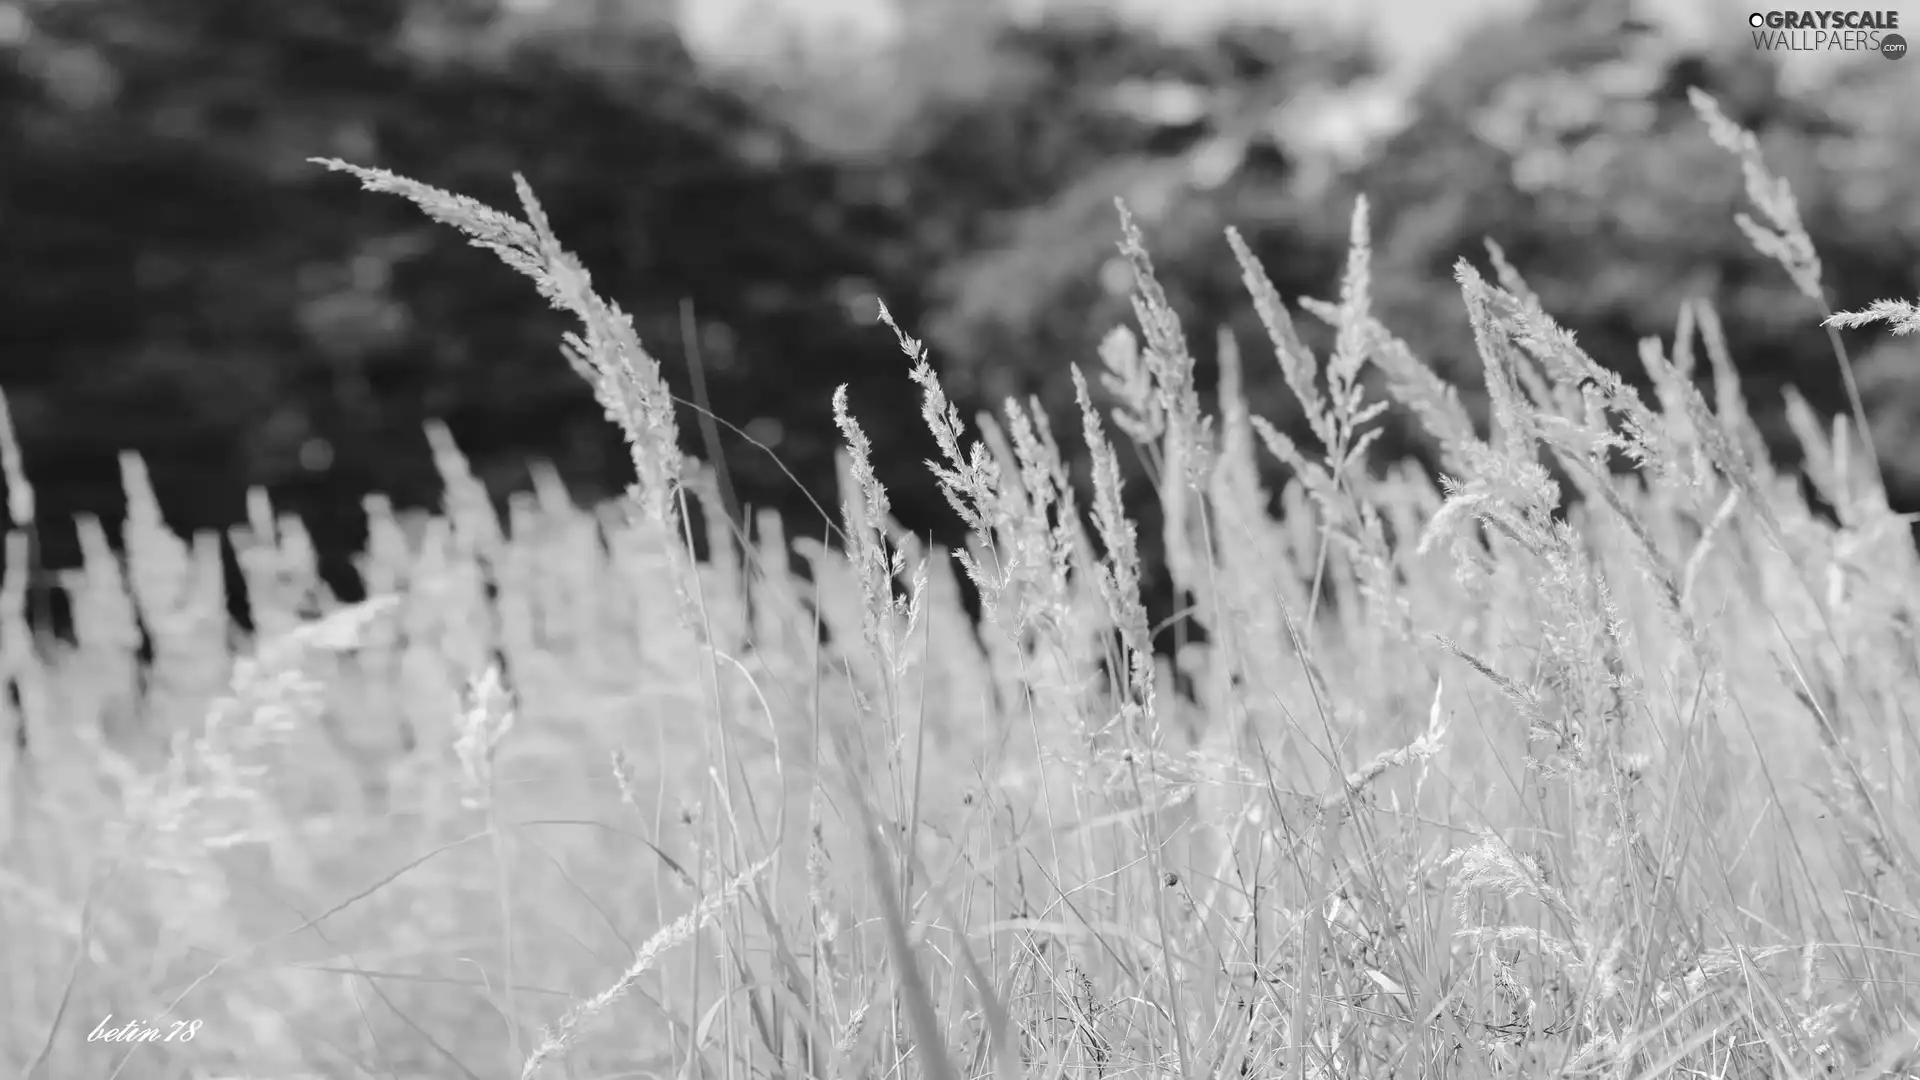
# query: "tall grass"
1476,775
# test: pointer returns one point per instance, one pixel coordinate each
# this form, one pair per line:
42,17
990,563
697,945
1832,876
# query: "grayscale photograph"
959,540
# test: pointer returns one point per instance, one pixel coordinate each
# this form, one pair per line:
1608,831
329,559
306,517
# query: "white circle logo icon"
1756,20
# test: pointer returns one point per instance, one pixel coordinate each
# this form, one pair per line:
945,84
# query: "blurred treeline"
176,278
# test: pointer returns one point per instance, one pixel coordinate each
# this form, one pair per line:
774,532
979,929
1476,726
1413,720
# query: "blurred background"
748,177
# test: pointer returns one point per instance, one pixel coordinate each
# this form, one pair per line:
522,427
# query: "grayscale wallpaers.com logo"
1822,31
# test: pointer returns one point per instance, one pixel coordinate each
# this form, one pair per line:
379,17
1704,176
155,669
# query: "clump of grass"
1474,778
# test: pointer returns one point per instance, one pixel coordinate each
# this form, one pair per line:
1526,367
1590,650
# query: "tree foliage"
175,277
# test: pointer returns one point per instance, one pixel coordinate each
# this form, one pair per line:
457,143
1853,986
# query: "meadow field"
1591,755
